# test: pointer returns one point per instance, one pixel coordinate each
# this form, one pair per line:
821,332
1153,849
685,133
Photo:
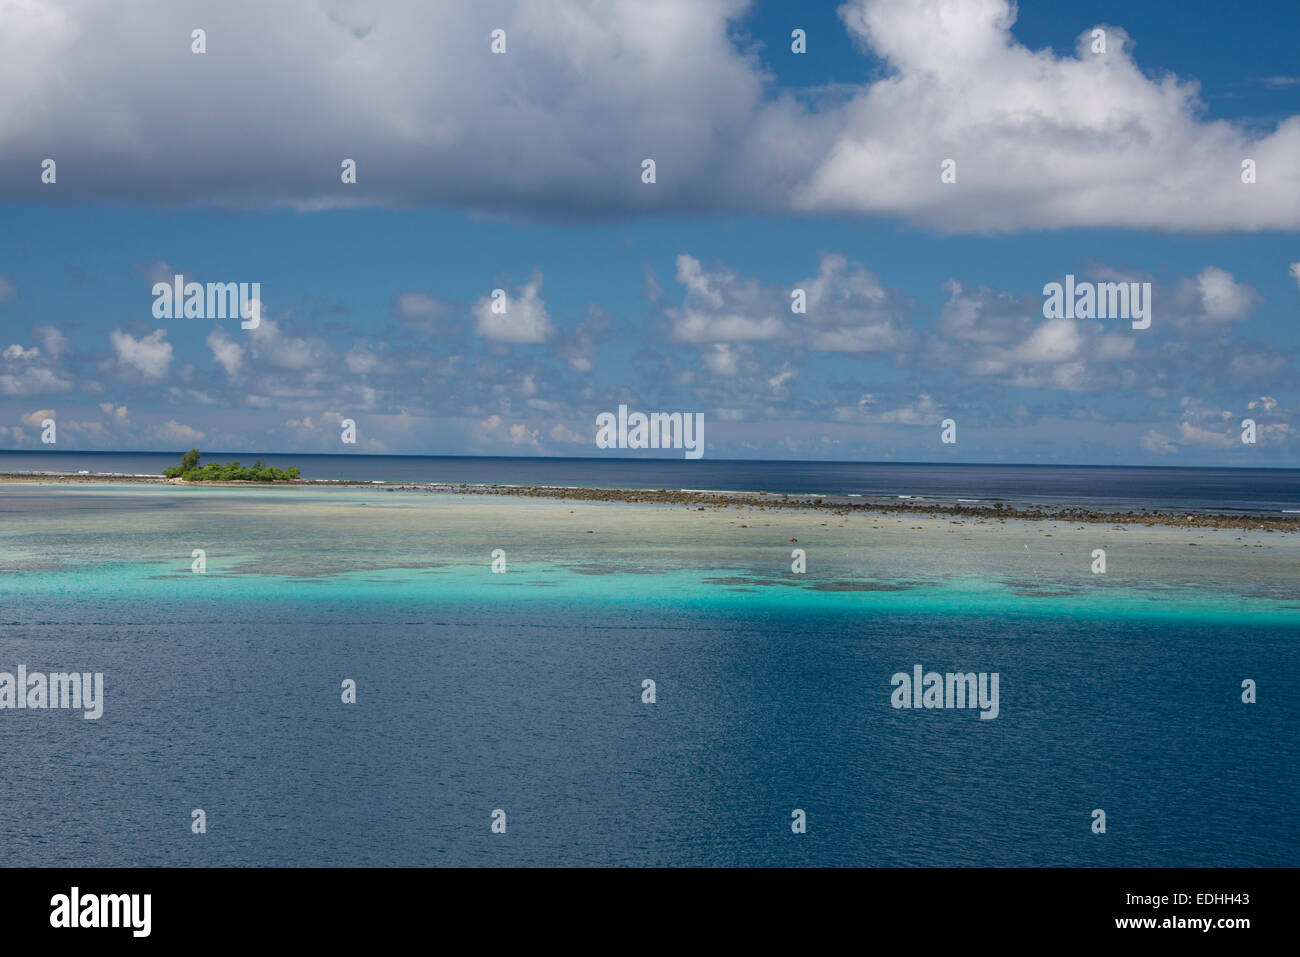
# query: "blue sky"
775,171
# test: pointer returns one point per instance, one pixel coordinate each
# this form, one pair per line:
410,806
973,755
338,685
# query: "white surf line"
759,498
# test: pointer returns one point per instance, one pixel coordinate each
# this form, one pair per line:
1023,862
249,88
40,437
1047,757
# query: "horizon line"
663,458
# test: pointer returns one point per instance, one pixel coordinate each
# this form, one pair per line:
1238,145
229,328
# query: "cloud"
180,396
1040,140
418,305
1211,301
54,342
150,356
721,306
562,433
849,309
8,288
723,359
1190,433
424,314
280,350
558,125
1158,444
779,382
33,420
324,431
1223,298
1294,273
494,429
1051,341
1255,365
33,381
227,353
162,271
176,433
360,360
1207,427
989,334
525,319
922,412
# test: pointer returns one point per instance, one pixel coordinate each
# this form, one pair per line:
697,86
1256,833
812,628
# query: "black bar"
943,907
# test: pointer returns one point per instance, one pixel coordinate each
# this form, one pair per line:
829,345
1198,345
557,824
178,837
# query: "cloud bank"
557,126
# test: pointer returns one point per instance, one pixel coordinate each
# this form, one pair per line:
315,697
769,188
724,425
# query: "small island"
190,471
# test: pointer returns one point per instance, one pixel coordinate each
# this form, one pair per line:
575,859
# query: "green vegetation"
191,471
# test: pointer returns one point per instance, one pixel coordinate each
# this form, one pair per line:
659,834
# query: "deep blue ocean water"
522,691
464,709
1110,488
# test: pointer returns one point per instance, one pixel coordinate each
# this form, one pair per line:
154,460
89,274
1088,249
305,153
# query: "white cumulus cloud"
150,356
525,319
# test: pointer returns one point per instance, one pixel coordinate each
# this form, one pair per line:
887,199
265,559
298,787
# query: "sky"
774,171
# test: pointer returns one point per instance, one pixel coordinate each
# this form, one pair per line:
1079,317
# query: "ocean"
522,690
1102,488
